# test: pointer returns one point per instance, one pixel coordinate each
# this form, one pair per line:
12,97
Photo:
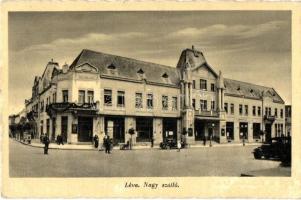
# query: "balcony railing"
206,113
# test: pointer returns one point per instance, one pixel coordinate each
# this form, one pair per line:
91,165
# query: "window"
270,111
203,84
259,111
90,96
120,99
276,112
281,113
138,102
246,110
212,87
41,125
193,84
174,103
240,109
203,105
65,96
81,96
108,97
254,110
193,103
232,108
212,105
54,97
149,101
165,102
226,107
266,111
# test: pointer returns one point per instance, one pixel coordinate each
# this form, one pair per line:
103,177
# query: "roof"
132,69
127,67
249,90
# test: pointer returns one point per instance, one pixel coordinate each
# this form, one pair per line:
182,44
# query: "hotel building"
107,94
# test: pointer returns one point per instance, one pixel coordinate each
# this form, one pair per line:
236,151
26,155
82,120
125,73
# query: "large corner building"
106,94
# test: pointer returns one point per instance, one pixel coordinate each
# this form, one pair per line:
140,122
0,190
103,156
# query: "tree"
131,132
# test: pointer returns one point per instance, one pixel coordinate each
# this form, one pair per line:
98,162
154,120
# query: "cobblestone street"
27,161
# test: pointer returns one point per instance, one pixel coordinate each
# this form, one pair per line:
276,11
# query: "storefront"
144,128
114,127
169,128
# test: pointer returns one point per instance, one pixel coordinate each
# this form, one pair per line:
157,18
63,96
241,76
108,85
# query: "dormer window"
165,75
140,71
238,88
111,66
251,91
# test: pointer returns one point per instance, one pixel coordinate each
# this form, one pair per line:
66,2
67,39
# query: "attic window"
165,75
251,90
238,88
111,66
140,71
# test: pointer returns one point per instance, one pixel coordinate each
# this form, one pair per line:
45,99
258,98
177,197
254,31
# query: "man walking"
46,142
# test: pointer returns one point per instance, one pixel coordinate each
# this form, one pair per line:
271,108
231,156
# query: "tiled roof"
249,90
127,67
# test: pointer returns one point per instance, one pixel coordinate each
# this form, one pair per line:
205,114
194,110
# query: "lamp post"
210,136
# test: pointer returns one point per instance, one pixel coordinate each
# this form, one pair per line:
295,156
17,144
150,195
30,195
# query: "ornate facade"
107,94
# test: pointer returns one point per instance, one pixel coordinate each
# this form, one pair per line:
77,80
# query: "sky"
251,46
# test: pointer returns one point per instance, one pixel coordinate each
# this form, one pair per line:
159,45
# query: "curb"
141,148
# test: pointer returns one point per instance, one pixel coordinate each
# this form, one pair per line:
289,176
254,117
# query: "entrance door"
53,129
115,124
268,132
243,130
64,128
85,129
199,130
230,130
170,129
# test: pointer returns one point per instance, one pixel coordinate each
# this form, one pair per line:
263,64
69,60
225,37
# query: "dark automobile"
277,148
170,143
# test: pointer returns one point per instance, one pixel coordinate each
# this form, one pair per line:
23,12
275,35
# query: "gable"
204,72
86,67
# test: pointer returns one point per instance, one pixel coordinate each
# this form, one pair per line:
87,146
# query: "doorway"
169,129
114,127
64,127
85,129
268,132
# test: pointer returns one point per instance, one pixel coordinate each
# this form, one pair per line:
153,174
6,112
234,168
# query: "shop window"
256,130
108,97
138,102
120,99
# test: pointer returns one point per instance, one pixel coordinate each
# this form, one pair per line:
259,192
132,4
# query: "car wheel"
257,155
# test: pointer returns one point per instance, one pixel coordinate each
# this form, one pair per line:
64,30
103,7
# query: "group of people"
107,143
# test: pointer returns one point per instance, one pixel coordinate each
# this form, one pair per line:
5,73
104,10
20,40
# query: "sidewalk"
279,171
37,144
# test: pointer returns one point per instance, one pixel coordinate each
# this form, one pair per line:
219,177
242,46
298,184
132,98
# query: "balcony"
206,113
88,108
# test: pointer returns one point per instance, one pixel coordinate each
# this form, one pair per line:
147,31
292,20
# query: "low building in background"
107,94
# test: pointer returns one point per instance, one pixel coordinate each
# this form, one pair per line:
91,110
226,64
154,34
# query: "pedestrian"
46,143
243,140
152,141
106,143
204,140
179,145
96,141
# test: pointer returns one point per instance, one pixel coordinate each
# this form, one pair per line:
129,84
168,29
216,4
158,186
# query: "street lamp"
210,136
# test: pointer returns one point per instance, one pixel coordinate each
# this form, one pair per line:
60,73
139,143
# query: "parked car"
170,143
277,148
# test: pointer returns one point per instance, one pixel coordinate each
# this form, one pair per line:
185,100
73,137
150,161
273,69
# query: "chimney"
65,68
